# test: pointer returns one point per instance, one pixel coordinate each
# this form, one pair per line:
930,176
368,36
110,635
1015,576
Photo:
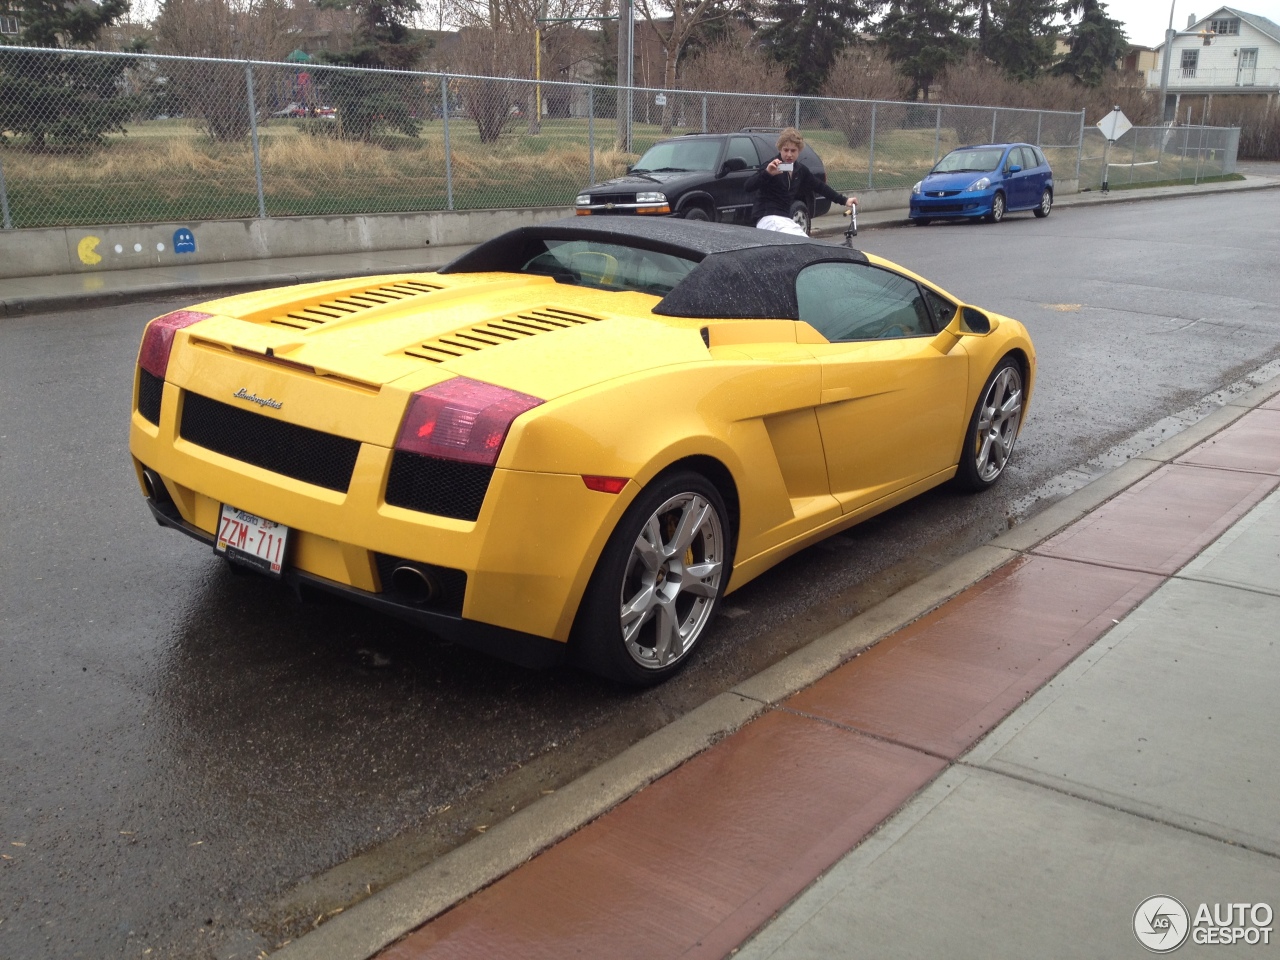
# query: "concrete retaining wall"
50,251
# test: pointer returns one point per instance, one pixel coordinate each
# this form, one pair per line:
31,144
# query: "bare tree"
736,64
859,73
499,39
224,29
674,32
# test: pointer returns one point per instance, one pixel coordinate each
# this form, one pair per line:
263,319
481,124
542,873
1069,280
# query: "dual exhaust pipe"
412,582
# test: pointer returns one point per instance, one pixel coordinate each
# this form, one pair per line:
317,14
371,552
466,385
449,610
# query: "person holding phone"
784,180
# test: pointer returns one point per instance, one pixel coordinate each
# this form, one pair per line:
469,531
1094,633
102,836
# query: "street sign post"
1113,126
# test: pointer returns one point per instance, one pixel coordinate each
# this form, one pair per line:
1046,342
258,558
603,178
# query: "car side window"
943,309
1040,160
1028,160
744,148
857,301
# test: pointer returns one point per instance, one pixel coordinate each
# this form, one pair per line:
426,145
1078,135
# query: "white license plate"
251,540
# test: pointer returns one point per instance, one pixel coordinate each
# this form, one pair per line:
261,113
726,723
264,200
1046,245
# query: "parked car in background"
699,176
984,182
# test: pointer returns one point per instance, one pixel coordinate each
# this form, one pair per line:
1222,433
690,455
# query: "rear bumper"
514,646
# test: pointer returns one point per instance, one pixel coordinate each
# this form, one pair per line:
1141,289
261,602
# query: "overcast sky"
1145,21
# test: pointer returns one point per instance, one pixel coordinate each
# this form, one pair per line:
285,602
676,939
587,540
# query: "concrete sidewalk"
1007,759
23,295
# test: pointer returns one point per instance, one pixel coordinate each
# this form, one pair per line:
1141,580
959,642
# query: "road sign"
1114,125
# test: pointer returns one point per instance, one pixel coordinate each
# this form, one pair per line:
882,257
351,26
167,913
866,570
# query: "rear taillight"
461,419
157,339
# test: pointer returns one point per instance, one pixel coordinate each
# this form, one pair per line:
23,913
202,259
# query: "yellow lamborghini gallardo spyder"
574,439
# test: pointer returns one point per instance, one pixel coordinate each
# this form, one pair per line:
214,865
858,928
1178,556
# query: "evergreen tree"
1097,42
1018,35
55,99
924,37
383,40
806,36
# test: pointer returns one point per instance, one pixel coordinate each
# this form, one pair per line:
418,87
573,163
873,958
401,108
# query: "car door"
894,381
733,203
1042,174
1015,184
1033,176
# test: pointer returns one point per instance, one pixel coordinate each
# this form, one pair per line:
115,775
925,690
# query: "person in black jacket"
784,180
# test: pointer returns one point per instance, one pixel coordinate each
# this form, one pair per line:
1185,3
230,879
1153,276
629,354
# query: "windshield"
971,161
679,155
606,266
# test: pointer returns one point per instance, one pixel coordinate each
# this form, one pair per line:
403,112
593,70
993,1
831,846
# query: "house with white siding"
1229,53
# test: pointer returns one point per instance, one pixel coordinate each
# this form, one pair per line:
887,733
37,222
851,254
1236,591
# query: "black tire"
1046,203
800,214
997,208
993,428
638,583
696,213
921,221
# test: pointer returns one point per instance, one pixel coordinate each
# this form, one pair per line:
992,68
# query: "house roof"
1269,27
1259,23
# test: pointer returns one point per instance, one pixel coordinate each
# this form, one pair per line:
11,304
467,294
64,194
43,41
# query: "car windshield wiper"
672,170
643,175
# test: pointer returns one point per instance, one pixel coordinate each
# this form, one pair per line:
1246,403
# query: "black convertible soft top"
742,272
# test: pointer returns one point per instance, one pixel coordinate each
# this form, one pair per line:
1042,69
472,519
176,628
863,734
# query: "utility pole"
1167,115
626,69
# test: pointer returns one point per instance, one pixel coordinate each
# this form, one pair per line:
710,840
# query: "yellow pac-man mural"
86,249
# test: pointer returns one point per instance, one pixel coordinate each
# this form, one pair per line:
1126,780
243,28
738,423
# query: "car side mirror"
732,165
1014,168
973,320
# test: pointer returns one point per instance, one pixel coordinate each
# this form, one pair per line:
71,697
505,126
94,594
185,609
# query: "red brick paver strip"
694,863
943,682
1252,443
1162,521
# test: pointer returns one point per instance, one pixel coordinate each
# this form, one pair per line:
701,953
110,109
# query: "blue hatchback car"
985,181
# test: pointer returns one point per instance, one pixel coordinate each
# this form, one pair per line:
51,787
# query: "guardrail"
98,138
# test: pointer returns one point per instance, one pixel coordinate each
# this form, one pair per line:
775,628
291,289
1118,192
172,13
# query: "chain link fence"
1149,155
95,138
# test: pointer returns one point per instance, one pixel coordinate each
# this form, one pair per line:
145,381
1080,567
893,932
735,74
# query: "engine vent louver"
461,343
318,314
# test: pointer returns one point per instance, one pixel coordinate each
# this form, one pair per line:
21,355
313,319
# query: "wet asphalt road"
190,759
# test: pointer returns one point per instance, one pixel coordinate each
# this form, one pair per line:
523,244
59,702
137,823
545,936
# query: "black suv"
699,177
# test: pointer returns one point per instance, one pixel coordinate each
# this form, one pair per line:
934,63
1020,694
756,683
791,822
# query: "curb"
364,929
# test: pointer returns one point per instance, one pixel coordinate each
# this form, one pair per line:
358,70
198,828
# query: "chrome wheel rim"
801,219
672,580
999,415
997,207
1046,203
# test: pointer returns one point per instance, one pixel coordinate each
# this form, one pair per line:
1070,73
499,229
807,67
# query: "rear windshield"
679,155
606,266
974,161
